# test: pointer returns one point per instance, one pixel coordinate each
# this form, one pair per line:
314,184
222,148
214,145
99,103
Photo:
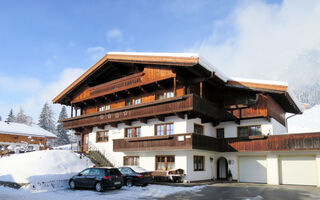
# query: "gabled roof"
280,89
23,129
175,59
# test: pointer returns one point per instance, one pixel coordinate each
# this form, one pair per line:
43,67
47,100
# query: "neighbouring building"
17,137
169,110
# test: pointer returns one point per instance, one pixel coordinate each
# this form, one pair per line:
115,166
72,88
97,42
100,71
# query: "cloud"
114,35
96,53
19,84
268,41
33,103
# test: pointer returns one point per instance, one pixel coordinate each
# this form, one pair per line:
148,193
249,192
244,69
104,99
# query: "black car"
97,178
135,175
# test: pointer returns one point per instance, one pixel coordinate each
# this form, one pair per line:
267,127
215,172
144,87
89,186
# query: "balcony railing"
288,142
156,108
171,142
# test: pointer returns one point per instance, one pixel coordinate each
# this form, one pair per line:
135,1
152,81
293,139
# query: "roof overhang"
278,90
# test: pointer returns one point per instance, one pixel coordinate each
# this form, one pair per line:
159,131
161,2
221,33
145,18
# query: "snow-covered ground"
125,193
41,166
309,121
73,146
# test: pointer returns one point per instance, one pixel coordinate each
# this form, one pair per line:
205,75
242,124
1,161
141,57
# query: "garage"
298,170
253,169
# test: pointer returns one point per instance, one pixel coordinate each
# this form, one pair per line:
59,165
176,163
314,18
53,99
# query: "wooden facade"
195,92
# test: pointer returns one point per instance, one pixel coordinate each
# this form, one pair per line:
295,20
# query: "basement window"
131,160
165,162
198,163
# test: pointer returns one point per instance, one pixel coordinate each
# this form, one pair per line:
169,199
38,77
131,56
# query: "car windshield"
138,169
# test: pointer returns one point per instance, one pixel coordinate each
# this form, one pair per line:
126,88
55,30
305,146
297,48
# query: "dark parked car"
97,178
135,175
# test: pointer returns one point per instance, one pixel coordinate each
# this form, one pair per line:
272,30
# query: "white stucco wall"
230,128
209,130
318,166
278,128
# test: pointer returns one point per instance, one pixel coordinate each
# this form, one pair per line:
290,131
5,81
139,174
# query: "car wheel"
98,187
118,187
144,185
72,185
129,183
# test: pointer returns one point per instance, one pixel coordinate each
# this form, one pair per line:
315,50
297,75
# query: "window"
246,131
137,101
133,132
169,94
102,136
165,162
101,108
163,95
107,107
220,133
104,107
131,160
198,163
159,96
164,129
198,129
128,102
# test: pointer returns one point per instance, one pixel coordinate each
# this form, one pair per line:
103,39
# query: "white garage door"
253,169
298,170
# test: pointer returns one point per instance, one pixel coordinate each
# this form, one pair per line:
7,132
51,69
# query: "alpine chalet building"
165,111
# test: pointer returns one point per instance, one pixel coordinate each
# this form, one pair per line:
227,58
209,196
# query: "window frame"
165,162
165,130
104,137
134,132
199,125
217,133
195,159
132,160
249,130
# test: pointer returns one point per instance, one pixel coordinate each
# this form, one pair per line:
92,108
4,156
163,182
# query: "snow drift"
41,168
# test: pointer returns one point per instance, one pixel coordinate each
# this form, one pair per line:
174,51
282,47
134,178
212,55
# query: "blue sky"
44,45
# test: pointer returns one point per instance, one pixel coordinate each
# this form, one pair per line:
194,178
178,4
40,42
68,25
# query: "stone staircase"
98,159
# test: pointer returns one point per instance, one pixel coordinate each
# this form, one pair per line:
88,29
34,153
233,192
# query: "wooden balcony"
172,142
158,108
288,142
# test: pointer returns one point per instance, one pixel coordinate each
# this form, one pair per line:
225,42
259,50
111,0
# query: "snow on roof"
201,60
185,55
269,82
308,122
23,129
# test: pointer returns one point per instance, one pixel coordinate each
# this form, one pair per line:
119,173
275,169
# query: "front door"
85,142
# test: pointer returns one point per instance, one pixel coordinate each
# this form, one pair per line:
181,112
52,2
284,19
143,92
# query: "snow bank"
41,166
309,121
132,193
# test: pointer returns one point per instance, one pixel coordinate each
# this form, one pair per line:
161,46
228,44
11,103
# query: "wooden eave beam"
160,118
180,115
143,120
114,125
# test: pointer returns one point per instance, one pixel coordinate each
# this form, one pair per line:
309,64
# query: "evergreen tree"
46,119
11,117
23,118
62,136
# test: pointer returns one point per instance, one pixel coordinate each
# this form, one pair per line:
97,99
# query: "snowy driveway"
149,192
